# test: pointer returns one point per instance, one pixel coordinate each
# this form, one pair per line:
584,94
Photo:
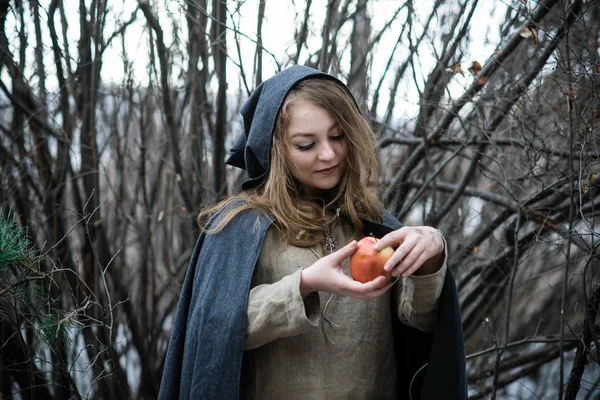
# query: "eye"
305,147
337,137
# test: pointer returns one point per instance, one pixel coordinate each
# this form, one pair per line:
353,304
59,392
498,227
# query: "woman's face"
317,148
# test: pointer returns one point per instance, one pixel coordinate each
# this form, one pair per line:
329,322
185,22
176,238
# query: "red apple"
367,263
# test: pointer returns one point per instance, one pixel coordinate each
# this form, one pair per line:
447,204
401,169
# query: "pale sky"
278,37
281,22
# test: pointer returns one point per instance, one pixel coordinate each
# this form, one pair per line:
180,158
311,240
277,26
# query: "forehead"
307,117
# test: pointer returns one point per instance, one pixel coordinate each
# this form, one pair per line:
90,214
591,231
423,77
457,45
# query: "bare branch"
172,128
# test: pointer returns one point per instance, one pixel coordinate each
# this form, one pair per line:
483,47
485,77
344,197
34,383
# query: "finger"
391,239
344,252
400,254
375,284
355,288
409,260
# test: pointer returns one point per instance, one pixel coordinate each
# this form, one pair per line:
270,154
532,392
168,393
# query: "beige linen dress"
325,346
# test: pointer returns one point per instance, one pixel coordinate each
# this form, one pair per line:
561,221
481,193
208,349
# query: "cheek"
299,162
343,150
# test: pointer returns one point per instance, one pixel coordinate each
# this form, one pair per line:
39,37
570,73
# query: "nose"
326,152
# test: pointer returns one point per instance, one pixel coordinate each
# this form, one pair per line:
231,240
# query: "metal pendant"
329,242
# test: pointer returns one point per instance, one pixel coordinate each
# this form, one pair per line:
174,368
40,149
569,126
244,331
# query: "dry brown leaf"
475,250
483,80
596,69
524,2
475,68
161,215
530,33
526,32
457,70
570,93
498,52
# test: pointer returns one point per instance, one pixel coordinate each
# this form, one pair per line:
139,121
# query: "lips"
327,170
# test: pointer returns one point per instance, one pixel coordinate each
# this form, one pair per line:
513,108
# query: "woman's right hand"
326,275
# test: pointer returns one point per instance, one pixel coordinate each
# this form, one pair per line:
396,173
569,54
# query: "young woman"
268,309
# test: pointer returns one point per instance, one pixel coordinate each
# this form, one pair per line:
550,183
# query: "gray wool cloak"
205,351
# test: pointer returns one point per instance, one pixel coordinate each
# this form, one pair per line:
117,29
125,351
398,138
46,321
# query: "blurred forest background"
116,117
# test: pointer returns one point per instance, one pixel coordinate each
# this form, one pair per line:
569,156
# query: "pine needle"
14,244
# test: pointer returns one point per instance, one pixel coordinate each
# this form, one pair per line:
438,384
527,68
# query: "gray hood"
252,149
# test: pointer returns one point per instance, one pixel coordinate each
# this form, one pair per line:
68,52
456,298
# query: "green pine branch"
15,247
19,280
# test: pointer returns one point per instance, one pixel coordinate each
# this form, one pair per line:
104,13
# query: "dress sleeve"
277,310
417,296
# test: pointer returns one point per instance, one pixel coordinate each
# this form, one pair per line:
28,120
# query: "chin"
323,188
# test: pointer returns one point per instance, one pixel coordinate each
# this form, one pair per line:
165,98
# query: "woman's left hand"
419,250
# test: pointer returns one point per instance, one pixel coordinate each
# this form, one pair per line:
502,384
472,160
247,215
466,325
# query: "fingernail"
387,267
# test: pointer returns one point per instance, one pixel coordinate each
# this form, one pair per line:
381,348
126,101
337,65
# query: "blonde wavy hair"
302,221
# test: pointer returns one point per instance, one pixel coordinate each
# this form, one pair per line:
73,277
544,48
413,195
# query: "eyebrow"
335,124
